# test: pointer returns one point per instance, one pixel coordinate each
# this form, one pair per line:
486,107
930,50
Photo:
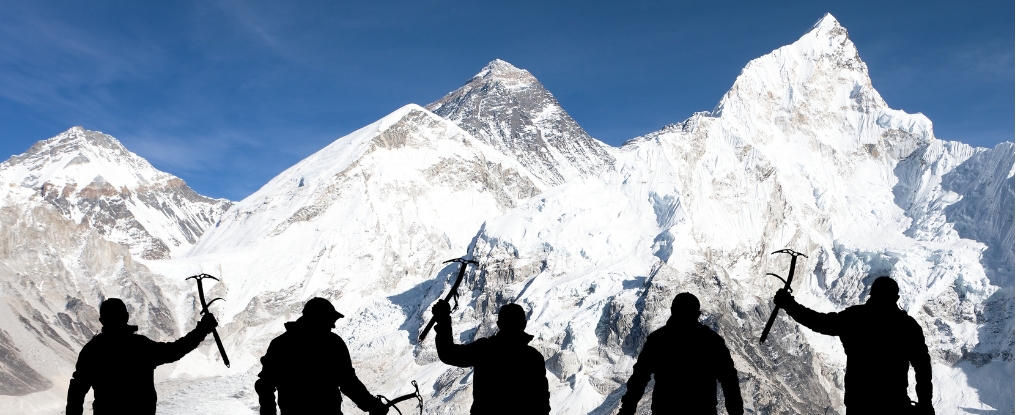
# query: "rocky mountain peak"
90,177
499,67
499,71
509,109
76,157
828,37
821,80
824,55
81,138
827,22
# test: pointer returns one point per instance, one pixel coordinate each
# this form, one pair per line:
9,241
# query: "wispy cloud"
985,61
50,66
255,22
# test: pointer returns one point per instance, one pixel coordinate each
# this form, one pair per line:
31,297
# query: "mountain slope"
91,178
369,217
54,273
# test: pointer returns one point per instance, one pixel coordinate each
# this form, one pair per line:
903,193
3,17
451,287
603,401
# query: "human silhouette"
310,367
508,375
118,364
687,360
881,342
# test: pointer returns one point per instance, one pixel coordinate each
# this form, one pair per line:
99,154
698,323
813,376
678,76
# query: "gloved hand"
442,312
207,324
784,298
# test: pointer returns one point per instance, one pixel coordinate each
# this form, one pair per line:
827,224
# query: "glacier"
594,241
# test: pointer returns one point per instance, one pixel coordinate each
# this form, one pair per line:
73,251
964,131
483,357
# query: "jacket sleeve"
725,371
350,384
461,355
922,362
81,381
824,323
642,371
266,385
163,353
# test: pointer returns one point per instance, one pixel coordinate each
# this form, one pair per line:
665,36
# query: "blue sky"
226,94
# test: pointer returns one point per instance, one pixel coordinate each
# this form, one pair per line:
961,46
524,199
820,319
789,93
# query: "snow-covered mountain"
91,178
77,214
594,241
53,275
509,109
802,153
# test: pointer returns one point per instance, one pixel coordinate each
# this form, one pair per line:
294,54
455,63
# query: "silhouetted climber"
118,364
310,367
686,359
508,375
881,342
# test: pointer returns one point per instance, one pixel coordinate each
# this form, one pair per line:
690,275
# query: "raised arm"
461,355
161,353
824,323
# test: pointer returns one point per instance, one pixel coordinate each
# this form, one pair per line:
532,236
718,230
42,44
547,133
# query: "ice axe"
788,287
453,293
390,403
206,310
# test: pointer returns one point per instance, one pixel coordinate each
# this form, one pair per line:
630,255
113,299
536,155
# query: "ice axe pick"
206,310
788,287
453,293
390,403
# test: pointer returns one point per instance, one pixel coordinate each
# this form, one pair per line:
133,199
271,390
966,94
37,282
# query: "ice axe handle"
220,346
788,281
206,310
771,321
426,331
451,293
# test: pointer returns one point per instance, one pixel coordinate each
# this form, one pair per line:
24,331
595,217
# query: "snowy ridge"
91,178
305,191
